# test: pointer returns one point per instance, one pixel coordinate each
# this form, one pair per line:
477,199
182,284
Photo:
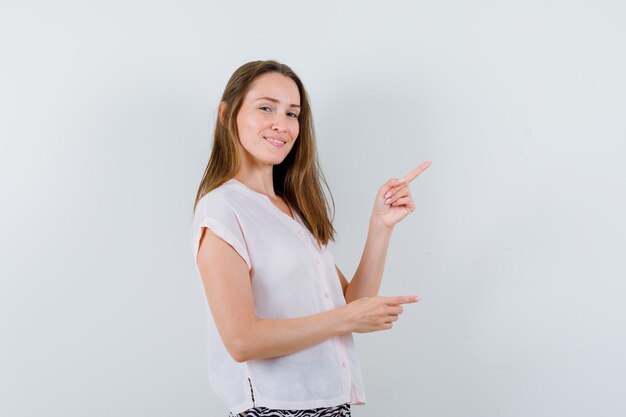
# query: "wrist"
377,225
341,320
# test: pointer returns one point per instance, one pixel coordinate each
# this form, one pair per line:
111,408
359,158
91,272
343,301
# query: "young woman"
281,312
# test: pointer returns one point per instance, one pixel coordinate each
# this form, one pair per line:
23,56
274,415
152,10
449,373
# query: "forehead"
276,86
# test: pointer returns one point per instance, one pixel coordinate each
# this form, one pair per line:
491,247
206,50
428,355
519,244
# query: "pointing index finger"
417,171
401,299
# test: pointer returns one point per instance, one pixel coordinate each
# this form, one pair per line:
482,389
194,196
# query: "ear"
222,112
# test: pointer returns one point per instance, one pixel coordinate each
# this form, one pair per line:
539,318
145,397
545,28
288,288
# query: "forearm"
269,338
369,273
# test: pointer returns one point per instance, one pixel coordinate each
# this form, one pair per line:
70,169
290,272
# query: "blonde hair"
297,177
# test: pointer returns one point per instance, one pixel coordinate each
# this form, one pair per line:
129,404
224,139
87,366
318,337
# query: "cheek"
251,127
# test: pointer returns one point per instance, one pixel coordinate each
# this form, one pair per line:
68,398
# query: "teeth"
274,140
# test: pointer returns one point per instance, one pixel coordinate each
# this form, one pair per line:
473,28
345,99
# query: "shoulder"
218,198
225,200
220,210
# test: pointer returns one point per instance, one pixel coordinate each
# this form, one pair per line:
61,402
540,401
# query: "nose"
278,127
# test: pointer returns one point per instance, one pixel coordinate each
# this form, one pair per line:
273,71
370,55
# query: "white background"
516,246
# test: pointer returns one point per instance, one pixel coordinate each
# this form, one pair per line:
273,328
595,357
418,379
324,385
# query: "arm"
227,285
343,281
369,273
392,204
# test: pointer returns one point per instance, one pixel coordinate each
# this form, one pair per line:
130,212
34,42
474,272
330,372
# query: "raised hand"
393,200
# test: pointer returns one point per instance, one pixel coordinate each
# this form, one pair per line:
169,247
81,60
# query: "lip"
278,145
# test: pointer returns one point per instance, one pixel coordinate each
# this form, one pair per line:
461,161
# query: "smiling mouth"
274,141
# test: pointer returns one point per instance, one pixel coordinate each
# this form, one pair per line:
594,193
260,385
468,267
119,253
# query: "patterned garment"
342,410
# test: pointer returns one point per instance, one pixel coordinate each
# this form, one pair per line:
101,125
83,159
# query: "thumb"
387,185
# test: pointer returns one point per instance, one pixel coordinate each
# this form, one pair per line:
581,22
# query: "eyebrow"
275,101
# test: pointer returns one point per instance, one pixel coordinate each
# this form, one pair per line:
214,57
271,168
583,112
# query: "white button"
343,364
301,232
317,260
327,295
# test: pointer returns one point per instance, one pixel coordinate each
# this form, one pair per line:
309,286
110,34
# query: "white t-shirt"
292,277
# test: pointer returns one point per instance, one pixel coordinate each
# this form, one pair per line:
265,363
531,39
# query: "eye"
293,115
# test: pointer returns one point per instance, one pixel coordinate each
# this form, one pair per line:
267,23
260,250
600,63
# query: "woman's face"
270,110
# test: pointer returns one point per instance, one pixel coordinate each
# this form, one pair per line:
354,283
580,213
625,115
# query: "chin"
277,162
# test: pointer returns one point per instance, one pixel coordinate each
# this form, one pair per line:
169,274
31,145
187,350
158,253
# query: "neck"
261,181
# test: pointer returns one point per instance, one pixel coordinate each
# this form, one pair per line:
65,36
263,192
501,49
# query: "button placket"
343,359
343,362
317,257
322,273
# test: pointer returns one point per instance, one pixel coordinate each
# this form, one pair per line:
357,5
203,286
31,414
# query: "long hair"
297,177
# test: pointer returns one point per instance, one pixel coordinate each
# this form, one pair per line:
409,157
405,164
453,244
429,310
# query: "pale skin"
225,274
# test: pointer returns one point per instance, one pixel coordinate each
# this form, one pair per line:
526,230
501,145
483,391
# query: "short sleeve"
223,221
